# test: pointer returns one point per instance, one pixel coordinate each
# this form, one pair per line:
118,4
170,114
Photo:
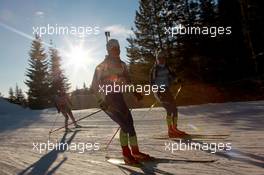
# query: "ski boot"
173,132
78,126
128,158
184,134
139,156
68,130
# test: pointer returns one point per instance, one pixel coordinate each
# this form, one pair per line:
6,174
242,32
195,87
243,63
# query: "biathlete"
161,75
63,105
113,70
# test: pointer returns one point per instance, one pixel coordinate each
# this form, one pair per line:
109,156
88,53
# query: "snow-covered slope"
7,108
243,122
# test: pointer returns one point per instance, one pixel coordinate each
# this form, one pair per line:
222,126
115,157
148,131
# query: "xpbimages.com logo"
79,147
130,88
189,145
79,31
212,31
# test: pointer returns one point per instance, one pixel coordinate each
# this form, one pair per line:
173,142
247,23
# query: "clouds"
119,30
39,14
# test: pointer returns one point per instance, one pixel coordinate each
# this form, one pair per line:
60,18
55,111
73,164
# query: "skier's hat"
112,43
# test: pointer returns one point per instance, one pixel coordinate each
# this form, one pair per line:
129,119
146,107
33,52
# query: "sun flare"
77,57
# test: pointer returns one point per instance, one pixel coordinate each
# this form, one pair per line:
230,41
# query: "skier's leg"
133,142
72,118
66,120
173,128
128,158
168,102
117,116
121,115
173,110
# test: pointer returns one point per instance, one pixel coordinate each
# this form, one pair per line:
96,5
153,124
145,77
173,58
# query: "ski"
194,137
120,161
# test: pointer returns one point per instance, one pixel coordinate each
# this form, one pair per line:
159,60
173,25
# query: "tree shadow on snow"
43,165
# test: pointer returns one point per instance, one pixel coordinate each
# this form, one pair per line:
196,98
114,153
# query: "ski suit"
162,75
110,71
63,105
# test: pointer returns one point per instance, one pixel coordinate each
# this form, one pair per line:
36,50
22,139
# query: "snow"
20,128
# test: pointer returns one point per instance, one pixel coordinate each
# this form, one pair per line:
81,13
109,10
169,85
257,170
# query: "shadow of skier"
42,166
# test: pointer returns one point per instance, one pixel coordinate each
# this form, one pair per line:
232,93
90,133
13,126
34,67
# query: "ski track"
243,120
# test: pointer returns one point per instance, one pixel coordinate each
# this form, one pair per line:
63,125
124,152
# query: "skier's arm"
128,80
57,107
95,89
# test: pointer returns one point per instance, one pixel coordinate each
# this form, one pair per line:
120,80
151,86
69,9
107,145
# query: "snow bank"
7,107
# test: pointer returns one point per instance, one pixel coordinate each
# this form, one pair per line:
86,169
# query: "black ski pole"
155,103
76,121
107,35
53,125
110,141
179,90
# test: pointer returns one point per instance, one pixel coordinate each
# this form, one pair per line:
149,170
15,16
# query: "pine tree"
148,39
57,78
236,52
11,95
17,93
20,98
38,78
151,21
84,86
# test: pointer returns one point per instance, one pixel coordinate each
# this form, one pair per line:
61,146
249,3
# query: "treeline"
220,59
44,75
83,98
17,96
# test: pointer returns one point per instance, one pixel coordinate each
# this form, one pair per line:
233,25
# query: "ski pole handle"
107,35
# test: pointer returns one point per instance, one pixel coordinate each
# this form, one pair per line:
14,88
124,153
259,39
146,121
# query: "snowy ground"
20,128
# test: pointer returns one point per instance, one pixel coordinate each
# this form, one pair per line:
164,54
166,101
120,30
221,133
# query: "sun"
77,57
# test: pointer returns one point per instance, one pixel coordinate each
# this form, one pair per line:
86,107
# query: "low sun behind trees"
44,76
214,69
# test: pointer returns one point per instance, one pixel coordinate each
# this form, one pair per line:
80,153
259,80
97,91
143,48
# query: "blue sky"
80,56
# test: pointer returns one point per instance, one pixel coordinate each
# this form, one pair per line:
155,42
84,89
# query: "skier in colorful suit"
161,75
113,70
